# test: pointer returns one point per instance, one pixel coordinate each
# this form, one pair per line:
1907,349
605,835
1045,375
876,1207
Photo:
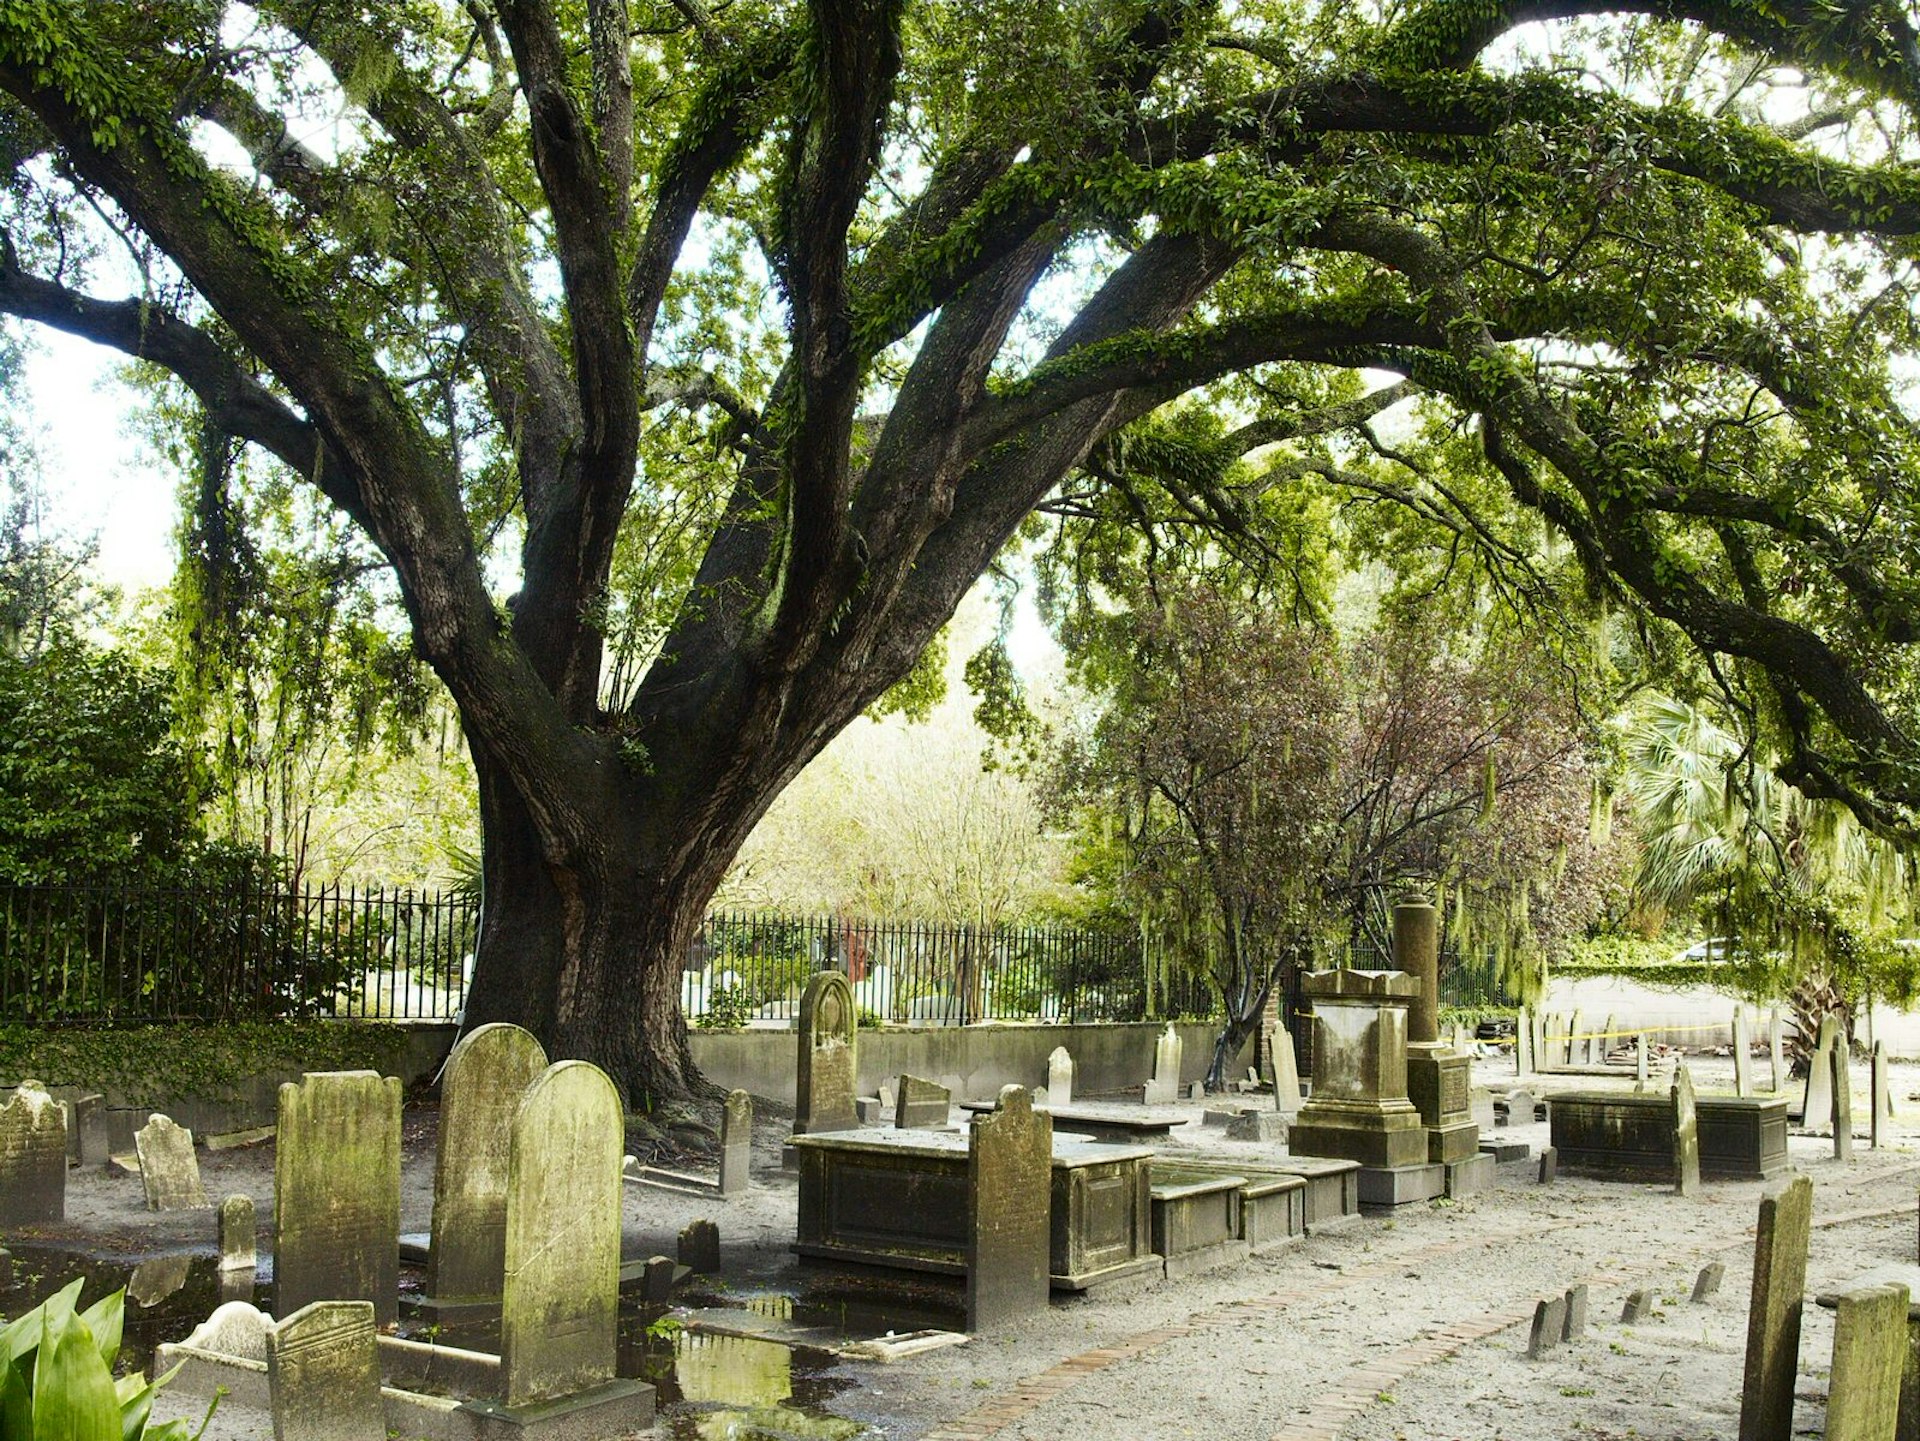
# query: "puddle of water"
710,1386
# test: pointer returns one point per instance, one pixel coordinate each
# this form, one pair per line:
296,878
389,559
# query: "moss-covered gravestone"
1869,1350
486,1077
33,1157
336,1192
168,1168
1686,1134
323,1374
559,1310
922,1103
1773,1319
736,1143
824,1080
1009,1189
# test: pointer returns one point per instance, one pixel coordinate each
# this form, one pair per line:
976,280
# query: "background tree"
765,285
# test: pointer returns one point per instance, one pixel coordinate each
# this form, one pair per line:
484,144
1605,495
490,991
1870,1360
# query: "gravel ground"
1401,1327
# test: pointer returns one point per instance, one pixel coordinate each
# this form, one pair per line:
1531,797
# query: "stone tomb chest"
1630,1135
1273,1204
897,1199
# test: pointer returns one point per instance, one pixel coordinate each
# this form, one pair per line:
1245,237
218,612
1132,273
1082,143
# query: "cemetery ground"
1413,1324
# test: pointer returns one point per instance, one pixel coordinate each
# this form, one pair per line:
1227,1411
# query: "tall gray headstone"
1742,1053
33,1157
824,1081
1572,1055
1640,1069
1842,1098
169,1171
486,1077
1523,1044
1287,1099
1773,1318
323,1374
1869,1351
560,1307
1009,1181
237,1251
336,1192
1817,1112
1686,1134
87,1130
736,1143
1164,1088
1060,1077
1777,1050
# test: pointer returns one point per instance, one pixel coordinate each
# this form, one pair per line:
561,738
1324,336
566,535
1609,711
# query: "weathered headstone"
1575,1040
33,1158
1287,1099
1164,1088
237,1252
1686,1134
1576,1318
1523,1044
1009,1180
1777,1049
1520,1106
824,1082
1707,1283
1816,1113
486,1076
1882,1086
736,1143
1549,1164
87,1130
700,1248
1742,1054
1842,1098
1773,1318
157,1278
168,1169
336,1192
6,1267
1869,1351
1641,1075
1638,1307
323,1374
562,1295
923,1103
656,1279
1549,1325
1267,1126
1060,1077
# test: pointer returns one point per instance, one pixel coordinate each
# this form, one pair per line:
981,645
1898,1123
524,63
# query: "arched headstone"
824,1080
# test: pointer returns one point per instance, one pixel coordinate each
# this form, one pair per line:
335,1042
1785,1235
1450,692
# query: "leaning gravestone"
1164,1088
486,1076
237,1252
1639,1305
736,1143
1287,1099
323,1374
1549,1325
1816,1114
824,1079
1742,1054
33,1157
1009,1179
922,1104
1869,1349
560,1308
168,1169
336,1192
1842,1058
1882,1087
1707,1283
1773,1318
1060,1077
1686,1134
1575,1325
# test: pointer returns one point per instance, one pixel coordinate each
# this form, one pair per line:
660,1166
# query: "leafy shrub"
66,1391
728,1009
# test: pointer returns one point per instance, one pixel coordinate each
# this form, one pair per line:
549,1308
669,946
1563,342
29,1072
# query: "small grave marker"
1707,1283
1549,1324
1060,1077
323,1374
1638,1307
1549,1164
168,1169
1686,1134
1576,1318
736,1143
922,1104
700,1248
237,1251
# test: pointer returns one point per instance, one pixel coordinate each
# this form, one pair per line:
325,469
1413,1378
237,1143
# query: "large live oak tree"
520,265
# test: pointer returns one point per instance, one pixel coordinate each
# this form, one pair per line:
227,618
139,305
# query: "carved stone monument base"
1439,1083
1401,1185
1381,1134
1476,1173
616,1409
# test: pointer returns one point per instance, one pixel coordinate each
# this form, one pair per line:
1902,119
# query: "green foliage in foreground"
57,1383
205,1061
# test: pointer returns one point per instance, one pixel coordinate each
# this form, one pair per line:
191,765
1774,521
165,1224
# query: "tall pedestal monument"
1439,1079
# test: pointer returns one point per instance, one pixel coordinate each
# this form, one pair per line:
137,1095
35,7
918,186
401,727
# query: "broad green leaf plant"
57,1381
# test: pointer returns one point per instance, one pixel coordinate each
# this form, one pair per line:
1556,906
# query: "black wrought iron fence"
129,953
1471,978
93,953
754,966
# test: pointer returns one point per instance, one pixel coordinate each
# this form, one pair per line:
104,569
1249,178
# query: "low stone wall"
973,1062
